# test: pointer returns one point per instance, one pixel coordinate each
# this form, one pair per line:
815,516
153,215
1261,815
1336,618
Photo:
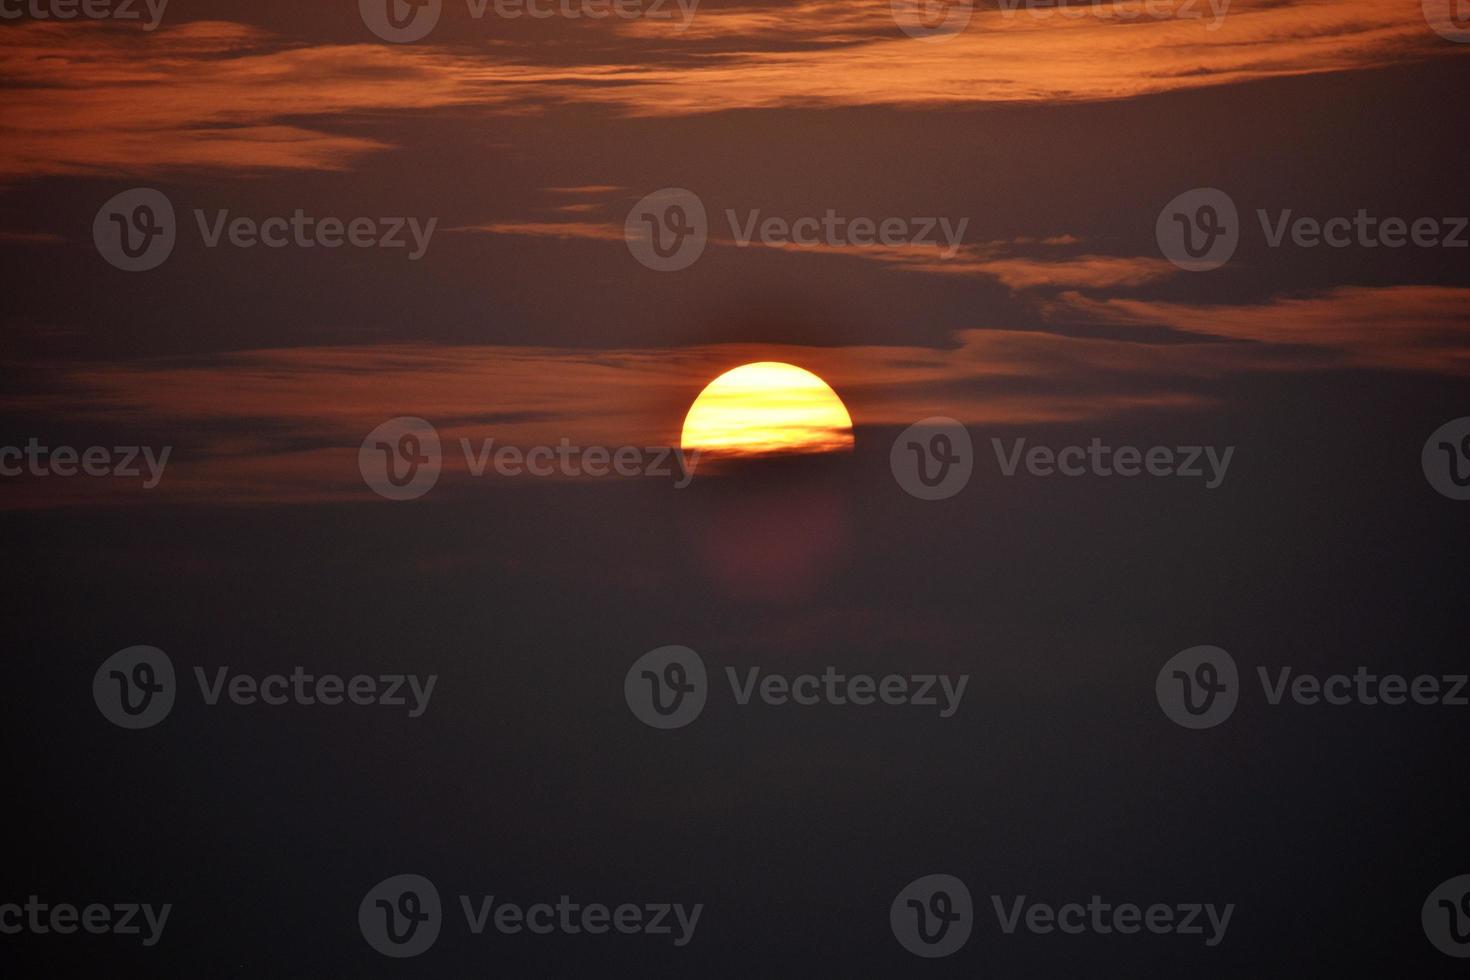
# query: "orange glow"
766,408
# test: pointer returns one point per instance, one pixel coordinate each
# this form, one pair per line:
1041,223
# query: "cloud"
31,237
1018,272
87,98
563,230
1000,260
821,53
279,426
1409,328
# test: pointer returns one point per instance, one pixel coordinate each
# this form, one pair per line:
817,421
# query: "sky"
985,215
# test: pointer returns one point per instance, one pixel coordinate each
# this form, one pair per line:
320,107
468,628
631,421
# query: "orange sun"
767,408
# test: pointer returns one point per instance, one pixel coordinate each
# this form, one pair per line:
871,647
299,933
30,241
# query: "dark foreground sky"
1066,313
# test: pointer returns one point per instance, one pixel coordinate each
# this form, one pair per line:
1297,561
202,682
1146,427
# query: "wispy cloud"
1006,261
279,426
86,98
564,230
1410,328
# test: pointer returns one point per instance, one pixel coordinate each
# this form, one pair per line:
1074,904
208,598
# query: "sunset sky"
1024,160
1056,137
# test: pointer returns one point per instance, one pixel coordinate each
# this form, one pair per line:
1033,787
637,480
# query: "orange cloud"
307,409
87,98
819,52
564,230
994,259
1411,328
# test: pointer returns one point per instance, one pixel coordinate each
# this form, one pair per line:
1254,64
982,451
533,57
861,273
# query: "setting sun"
767,408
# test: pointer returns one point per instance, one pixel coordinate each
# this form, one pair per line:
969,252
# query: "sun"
767,408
